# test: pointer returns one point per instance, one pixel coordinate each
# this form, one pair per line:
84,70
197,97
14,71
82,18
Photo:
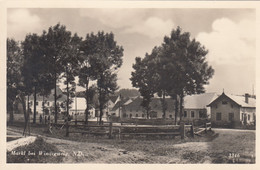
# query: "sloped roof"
199,101
120,103
240,100
113,98
155,104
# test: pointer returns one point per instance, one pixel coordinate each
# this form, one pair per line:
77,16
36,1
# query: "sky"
228,34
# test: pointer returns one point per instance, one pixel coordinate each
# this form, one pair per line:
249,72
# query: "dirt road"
156,151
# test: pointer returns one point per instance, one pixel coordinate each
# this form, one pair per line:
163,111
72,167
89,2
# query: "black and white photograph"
130,84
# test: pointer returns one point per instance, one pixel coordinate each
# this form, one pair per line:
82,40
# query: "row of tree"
176,68
40,62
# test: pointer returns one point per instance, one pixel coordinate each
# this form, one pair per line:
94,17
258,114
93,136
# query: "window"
136,115
231,116
142,115
224,102
218,116
37,103
201,114
48,103
232,106
192,114
248,117
130,115
216,106
185,113
170,116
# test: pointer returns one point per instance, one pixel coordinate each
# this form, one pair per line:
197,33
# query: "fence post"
110,130
119,133
182,129
192,130
67,128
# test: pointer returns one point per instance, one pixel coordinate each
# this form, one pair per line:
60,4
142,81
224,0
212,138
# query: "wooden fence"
122,129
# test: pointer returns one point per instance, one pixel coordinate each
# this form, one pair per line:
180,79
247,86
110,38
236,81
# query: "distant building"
233,110
45,105
135,110
78,107
117,110
195,106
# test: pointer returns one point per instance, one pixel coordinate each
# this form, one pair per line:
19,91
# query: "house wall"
39,108
249,113
196,114
225,109
142,113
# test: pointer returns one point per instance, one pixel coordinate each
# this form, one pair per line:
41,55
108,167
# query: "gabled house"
118,108
195,106
233,110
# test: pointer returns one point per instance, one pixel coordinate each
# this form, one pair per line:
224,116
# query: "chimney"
246,97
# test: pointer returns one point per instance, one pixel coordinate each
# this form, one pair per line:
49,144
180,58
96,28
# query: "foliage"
104,57
14,63
176,68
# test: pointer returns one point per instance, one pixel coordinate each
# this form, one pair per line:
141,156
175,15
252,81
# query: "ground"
219,146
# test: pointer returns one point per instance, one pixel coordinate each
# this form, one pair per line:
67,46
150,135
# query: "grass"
35,147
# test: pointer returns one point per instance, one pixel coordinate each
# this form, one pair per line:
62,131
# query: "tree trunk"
26,116
163,105
11,118
100,106
43,106
176,108
181,106
87,103
67,114
34,106
55,100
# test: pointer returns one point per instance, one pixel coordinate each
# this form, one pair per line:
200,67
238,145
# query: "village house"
117,110
195,106
45,105
135,110
233,110
78,107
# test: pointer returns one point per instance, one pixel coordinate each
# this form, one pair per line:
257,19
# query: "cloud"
229,42
20,22
153,27
114,18
131,21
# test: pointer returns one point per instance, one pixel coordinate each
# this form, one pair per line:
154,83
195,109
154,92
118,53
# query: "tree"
34,63
187,65
157,67
14,61
16,81
105,58
70,61
86,70
144,80
57,43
